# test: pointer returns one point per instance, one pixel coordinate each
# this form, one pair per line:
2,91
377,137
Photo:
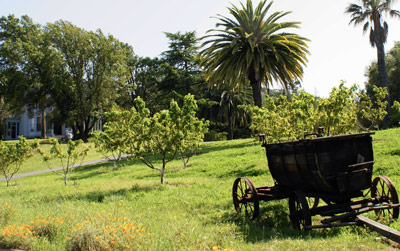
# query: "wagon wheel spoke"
241,189
384,192
299,210
245,197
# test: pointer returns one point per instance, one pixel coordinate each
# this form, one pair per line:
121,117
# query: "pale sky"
338,51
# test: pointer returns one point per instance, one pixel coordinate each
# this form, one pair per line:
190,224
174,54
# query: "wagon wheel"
383,190
245,197
299,211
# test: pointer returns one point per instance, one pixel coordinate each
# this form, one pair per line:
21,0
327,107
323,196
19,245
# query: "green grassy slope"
129,210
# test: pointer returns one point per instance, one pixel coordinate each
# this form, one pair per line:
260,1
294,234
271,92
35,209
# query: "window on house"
32,124
38,124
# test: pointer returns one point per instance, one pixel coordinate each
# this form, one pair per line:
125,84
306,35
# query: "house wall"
26,126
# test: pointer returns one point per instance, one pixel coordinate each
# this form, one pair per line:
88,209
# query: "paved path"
93,162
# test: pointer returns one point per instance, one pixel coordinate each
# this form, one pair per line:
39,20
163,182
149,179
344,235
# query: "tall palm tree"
252,47
370,14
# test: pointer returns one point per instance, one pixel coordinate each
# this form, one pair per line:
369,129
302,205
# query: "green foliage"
12,156
252,47
96,67
190,130
68,158
337,113
373,112
213,135
168,132
291,118
284,119
61,65
392,59
111,142
396,106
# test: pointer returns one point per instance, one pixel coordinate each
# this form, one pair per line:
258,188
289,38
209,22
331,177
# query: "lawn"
35,163
128,209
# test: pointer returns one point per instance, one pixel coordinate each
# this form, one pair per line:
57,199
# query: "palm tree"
252,48
370,13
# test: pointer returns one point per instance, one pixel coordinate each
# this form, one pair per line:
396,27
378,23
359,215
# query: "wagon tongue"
384,230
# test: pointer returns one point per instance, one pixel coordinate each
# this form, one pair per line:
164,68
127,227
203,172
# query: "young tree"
373,111
168,132
338,113
12,156
190,130
284,119
73,154
111,142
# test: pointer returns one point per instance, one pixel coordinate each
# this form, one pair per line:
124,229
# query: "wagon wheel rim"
300,215
383,190
245,197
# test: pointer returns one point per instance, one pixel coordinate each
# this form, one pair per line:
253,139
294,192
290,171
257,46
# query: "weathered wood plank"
384,230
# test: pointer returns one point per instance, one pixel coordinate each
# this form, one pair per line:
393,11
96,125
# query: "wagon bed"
337,168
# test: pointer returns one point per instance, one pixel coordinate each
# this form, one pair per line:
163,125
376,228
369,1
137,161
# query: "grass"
35,163
128,209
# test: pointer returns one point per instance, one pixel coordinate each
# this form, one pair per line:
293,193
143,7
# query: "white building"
30,125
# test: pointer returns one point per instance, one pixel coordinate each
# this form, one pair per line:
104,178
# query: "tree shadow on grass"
89,171
206,148
394,153
247,171
273,224
100,196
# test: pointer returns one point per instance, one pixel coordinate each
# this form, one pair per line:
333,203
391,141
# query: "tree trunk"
230,124
255,82
162,175
383,81
257,97
43,131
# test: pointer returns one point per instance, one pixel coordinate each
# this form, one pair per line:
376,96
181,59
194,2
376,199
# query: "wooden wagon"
336,170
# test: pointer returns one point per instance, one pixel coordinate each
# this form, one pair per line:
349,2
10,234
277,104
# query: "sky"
338,51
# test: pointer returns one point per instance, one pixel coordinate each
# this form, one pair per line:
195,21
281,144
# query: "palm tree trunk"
257,97
383,81
255,83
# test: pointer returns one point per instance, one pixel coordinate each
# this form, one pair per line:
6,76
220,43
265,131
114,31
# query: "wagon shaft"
386,231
